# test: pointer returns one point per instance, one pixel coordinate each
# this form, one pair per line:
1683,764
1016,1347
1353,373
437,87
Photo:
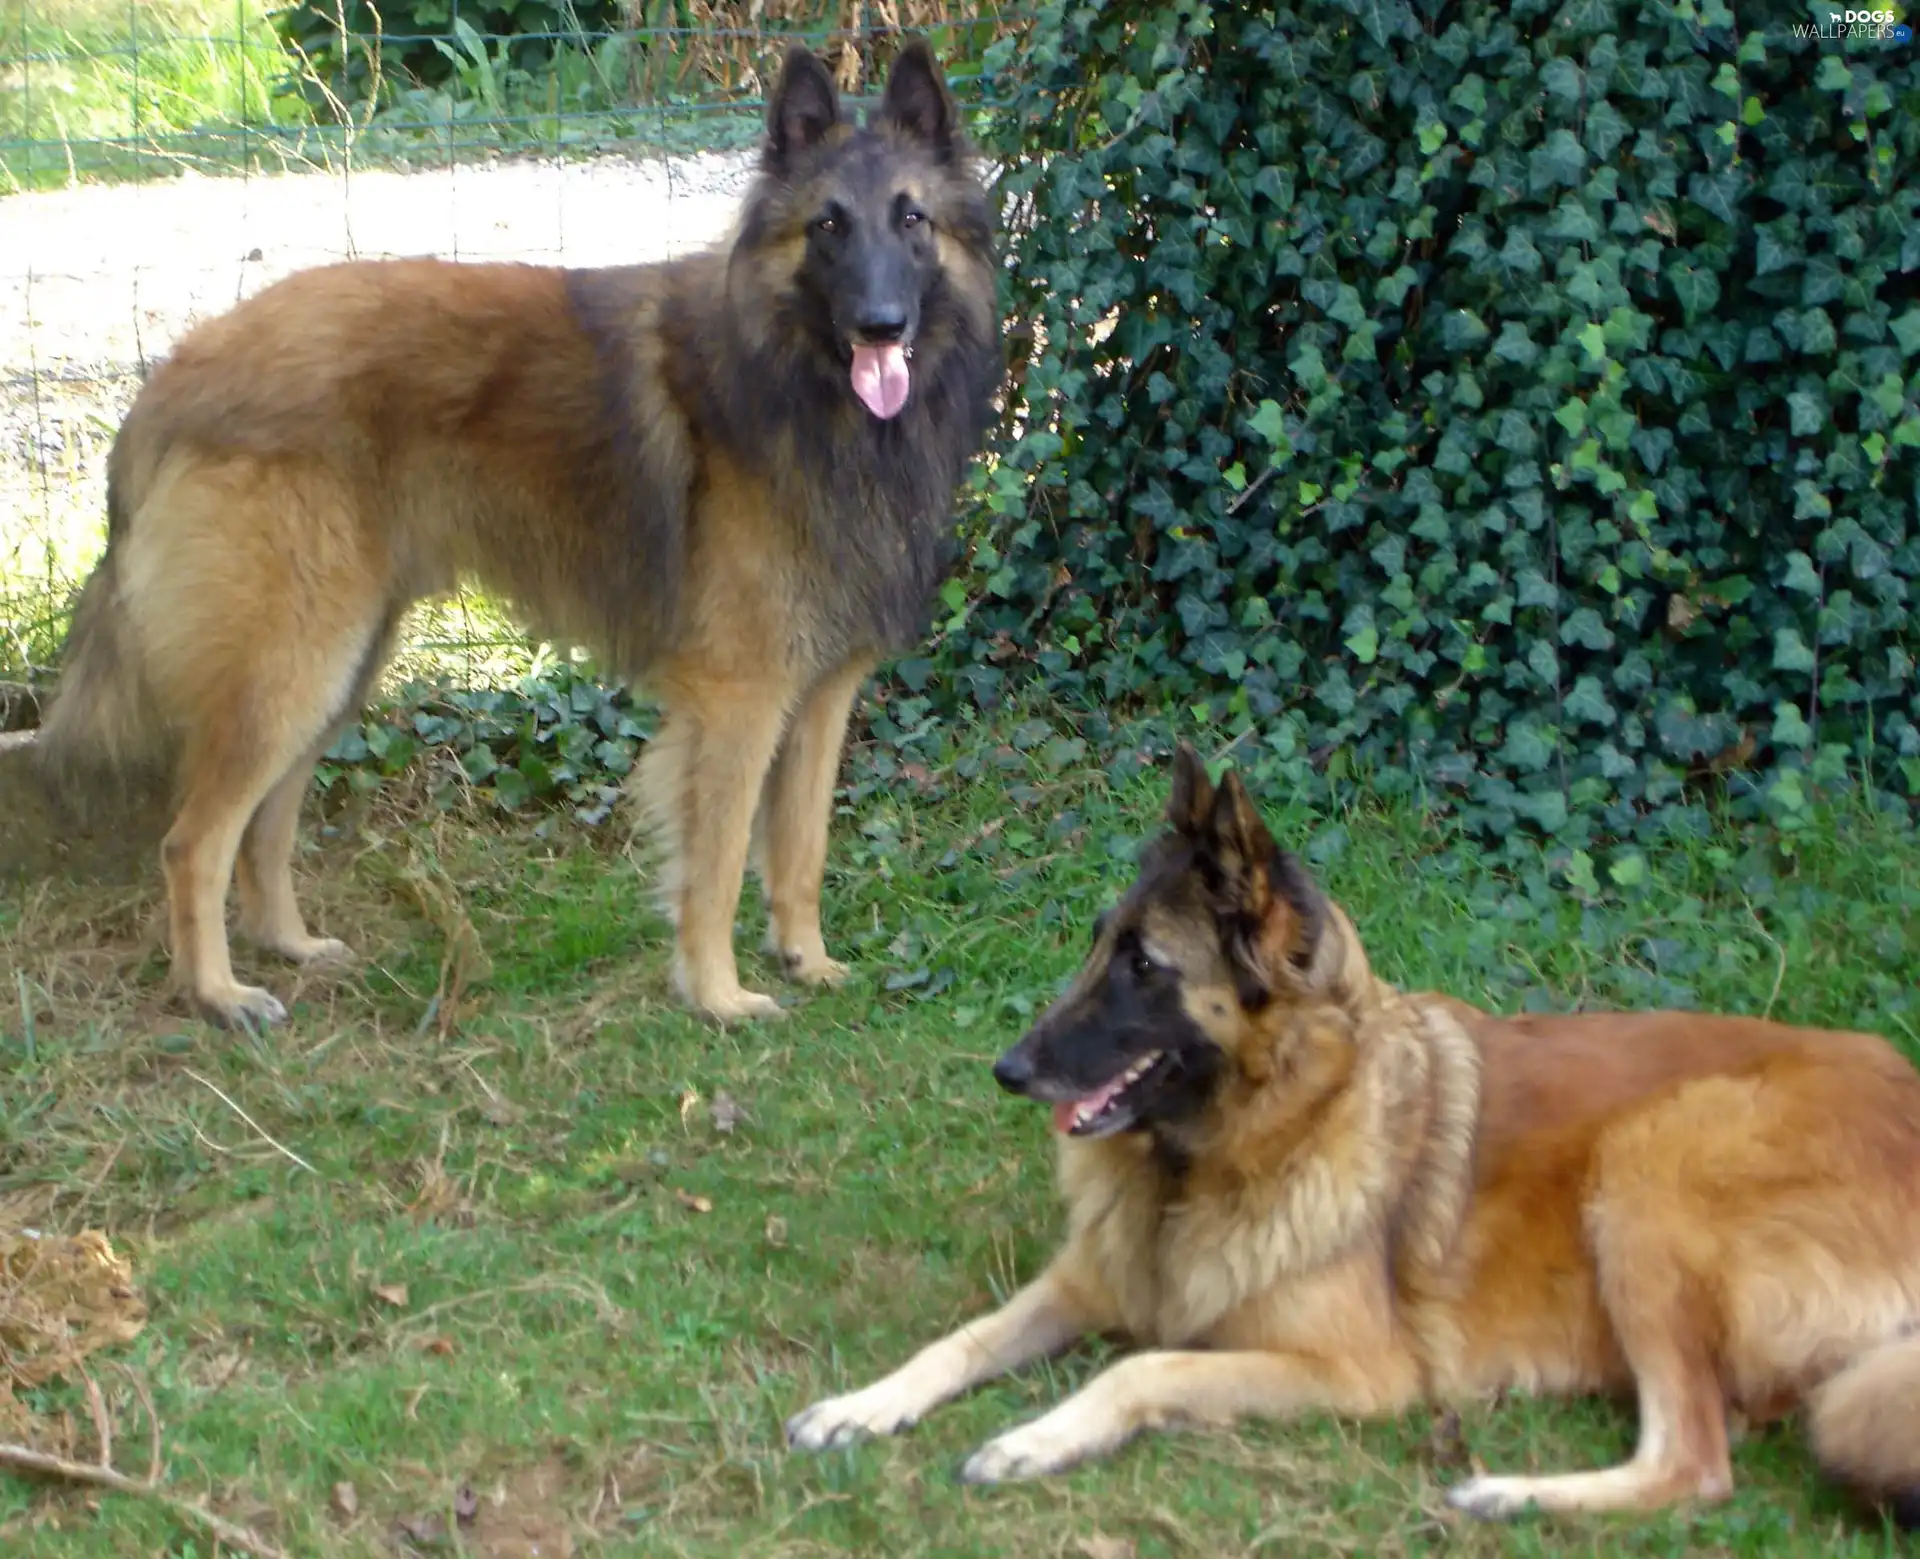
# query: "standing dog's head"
878,234
1219,929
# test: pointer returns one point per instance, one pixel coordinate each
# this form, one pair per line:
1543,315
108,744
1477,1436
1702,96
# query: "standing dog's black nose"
1014,1070
880,325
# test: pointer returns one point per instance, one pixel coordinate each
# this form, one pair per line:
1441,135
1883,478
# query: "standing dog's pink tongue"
880,378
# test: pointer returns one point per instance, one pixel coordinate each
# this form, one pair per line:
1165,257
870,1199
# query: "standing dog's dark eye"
913,219
828,225
1144,968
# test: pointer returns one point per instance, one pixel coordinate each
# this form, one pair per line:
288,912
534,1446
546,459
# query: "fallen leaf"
427,1530
776,1229
346,1501
443,1346
1100,1546
466,1504
394,1294
726,1113
689,1102
700,1204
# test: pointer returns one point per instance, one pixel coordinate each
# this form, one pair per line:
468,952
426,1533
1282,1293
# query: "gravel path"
94,281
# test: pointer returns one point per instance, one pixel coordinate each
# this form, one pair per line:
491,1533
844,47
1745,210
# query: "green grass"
610,1305
105,89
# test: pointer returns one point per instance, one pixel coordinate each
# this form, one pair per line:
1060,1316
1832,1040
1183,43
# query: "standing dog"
1309,1191
731,474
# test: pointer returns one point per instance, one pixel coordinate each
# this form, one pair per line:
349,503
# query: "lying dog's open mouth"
1109,1108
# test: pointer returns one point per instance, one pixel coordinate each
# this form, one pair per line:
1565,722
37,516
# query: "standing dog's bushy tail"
1865,1424
104,728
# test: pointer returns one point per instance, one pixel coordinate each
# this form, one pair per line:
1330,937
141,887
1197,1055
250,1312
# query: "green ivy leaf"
1807,413
1628,869
1266,422
1697,290
1906,331
1790,652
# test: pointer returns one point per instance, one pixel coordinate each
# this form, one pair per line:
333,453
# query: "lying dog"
1306,1191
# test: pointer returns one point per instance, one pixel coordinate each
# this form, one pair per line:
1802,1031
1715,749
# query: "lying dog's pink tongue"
880,378
1064,1114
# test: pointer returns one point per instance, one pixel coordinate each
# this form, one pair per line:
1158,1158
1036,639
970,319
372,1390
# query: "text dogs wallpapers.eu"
731,475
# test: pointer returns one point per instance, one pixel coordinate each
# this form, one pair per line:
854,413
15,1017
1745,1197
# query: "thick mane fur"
1268,1195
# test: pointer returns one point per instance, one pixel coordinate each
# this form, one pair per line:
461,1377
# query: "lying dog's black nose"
880,325
1014,1070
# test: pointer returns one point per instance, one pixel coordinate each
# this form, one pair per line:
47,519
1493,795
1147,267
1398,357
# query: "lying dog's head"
1219,928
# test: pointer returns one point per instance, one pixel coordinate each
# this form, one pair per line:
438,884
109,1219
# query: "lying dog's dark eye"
1144,968
913,219
828,225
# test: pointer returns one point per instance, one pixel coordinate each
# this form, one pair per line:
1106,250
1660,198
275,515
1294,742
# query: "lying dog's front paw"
859,1415
1491,1499
1034,1450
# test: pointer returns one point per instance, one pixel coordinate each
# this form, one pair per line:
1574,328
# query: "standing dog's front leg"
795,815
1153,1390
1040,1320
700,779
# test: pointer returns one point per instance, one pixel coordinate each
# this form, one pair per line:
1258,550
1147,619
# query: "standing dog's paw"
242,1007
810,970
841,1421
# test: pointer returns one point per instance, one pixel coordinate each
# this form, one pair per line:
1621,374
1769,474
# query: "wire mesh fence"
162,159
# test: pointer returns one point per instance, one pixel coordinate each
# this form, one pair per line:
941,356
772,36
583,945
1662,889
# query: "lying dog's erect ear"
1277,907
1239,848
1295,886
805,105
917,102
1191,802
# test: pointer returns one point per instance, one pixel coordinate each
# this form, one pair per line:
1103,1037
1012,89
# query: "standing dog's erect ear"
805,105
1191,802
917,102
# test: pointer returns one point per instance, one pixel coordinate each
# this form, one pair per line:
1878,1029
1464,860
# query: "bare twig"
23,1459
102,1424
265,1135
153,1419
1246,494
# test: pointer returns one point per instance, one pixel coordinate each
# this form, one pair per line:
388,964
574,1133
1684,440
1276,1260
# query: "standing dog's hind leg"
269,910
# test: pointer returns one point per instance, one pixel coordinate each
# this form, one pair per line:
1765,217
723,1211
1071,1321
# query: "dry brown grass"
731,44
